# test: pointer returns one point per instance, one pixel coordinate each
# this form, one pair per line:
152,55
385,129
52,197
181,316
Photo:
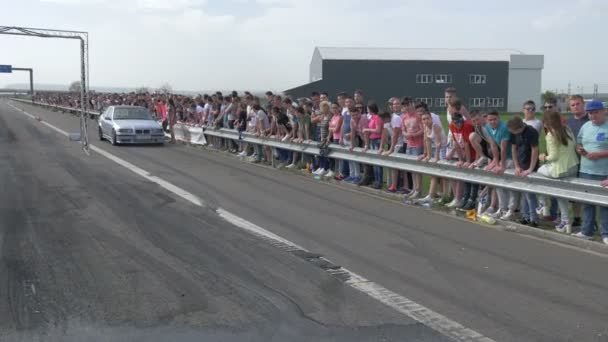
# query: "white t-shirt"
436,119
537,124
199,109
396,123
260,115
251,114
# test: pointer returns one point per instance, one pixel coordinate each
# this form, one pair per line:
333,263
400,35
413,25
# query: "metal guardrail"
573,189
91,113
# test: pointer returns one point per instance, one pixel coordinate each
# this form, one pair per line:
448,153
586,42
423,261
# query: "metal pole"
32,84
83,99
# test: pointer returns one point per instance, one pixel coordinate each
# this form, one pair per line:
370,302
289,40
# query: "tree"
548,95
75,87
166,88
142,90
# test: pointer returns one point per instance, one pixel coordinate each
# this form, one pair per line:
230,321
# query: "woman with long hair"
560,160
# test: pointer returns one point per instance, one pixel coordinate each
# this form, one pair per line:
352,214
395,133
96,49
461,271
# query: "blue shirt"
576,124
346,123
594,139
501,133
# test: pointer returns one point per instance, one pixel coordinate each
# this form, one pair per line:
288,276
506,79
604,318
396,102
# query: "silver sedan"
129,125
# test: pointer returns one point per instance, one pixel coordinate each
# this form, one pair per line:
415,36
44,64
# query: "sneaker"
605,240
577,222
427,199
563,227
319,171
533,224
392,188
413,195
455,203
489,212
243,154
322,172
339,177
355,180
377,186
580,235
542,210
348,179
291,166
469,205
508,215
330,174
524,221
549,218
498,214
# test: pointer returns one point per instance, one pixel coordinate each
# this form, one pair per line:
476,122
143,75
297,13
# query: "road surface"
91,249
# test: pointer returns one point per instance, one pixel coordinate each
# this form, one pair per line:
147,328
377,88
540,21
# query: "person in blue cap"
592,145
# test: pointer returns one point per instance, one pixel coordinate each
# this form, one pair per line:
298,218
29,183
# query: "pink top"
333,125
374,123
411,122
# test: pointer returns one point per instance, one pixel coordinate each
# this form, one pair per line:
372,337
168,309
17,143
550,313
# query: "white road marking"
426,316
400,303
139,171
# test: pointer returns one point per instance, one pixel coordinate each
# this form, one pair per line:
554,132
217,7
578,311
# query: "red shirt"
461,137
412,122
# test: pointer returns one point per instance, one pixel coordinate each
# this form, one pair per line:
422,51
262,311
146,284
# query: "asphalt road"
110,253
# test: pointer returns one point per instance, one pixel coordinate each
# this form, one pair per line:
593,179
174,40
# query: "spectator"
335,129
354,137
347,141
435,142
172,117
324,136
375,132
592,145
501,152
561,160
524,149
393,131
413,132
529,111
575,122
261,130
465,194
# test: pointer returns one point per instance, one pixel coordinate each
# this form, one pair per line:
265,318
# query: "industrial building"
500,79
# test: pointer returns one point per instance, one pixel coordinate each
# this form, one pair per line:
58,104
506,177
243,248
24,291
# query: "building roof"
415,54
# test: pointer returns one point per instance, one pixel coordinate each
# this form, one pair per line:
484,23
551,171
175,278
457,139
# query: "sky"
268,44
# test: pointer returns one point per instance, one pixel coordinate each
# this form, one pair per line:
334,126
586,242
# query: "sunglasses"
548,107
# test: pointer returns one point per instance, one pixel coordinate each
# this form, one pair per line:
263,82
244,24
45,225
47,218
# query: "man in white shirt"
393,129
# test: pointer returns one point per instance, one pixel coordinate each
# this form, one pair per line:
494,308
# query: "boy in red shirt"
465,194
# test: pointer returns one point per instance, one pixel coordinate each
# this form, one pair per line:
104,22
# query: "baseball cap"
594,105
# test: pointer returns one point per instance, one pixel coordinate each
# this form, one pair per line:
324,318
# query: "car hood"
136,124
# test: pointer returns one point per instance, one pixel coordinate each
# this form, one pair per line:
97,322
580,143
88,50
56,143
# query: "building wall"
316,67
525,76
380,80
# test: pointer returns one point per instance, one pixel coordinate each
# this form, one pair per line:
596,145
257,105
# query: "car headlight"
157,130
125,130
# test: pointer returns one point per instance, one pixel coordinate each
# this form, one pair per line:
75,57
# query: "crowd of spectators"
576,144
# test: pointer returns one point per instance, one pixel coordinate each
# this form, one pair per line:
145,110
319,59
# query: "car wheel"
100,133
113,142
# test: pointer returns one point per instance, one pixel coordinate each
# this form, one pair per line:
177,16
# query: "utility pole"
595,90
569,88
31,71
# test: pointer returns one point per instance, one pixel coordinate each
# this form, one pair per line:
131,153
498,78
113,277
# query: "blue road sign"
6,68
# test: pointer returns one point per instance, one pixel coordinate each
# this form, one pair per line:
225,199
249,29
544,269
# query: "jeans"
324,163
589,211
375,146
259,150
508,199
470,191
530,203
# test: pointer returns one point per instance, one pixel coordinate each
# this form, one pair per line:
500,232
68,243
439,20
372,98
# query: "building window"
477,79
443,78
440,102
477,102
424,78
427,100
496,102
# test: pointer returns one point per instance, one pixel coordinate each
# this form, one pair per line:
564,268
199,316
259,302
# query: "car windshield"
134,113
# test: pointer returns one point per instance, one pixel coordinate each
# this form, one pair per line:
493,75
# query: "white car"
129,125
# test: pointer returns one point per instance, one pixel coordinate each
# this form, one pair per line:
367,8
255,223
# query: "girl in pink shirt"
374,129
335,125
